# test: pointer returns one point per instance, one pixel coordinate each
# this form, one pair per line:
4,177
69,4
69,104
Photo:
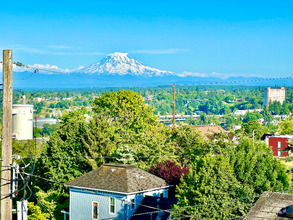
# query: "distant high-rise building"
274,95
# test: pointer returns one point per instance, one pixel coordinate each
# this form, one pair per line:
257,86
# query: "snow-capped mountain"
117,69
122,64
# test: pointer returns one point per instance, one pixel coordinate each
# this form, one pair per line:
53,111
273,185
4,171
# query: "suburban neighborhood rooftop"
271,205
119,178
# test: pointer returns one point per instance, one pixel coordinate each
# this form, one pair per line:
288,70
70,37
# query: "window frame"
93,202
112,205
279,144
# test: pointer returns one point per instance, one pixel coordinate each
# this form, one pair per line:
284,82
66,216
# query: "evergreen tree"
267,115
125,154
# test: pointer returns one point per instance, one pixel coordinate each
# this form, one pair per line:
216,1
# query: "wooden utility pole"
173,106
6,198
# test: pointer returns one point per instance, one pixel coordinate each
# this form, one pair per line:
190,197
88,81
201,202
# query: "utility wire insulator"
18,64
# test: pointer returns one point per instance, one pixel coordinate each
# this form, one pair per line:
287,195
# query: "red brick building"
279,143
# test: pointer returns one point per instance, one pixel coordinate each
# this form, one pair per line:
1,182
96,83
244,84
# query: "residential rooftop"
208,131
271,205
121,178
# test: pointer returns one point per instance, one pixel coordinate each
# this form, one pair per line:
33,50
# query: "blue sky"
227,38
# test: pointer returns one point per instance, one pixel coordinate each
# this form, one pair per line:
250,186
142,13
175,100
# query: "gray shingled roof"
118,177
271,205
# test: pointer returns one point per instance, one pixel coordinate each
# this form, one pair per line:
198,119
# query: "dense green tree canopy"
121,128
286,126
234,169
211,180
126,109
256,167
253,128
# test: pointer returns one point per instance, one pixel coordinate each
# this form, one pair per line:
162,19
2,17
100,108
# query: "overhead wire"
235,217
26,77
97,193
204,213
33,164
34,143
41,203
175,209
110,218
180,207
145,85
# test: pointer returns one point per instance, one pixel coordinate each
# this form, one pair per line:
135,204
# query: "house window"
95,210
112,205
279,144
279,153
132,203
161,194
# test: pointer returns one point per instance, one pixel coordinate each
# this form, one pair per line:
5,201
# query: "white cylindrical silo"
22,126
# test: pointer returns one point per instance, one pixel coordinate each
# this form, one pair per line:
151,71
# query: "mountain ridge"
117,69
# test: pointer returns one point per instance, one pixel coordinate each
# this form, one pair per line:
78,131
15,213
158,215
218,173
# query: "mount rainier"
116,69
122,64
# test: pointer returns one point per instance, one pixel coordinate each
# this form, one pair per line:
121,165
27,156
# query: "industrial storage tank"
22,117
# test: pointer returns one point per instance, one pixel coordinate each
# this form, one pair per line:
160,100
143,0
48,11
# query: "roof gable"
118,177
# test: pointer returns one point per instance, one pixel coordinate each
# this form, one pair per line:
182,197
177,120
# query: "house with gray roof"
112,191
272,205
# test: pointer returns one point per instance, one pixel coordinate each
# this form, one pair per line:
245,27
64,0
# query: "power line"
228,200
235,217
25,77
41,203
49,180
204,213
185,207
238,81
